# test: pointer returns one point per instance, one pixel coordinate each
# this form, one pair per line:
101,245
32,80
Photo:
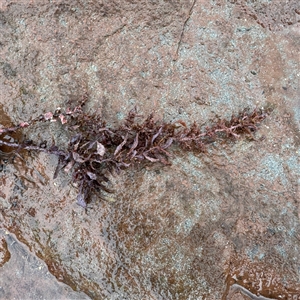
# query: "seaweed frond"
94,149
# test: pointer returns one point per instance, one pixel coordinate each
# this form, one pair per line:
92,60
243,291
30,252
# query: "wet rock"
30,273
200,226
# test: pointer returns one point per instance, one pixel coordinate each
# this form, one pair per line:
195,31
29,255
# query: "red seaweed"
94,148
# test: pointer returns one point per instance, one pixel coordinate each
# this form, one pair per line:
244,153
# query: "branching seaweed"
94,149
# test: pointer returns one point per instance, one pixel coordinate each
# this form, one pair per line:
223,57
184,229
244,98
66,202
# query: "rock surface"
24,276
206,224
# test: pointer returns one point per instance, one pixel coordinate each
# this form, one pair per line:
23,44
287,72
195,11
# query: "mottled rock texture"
195,229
